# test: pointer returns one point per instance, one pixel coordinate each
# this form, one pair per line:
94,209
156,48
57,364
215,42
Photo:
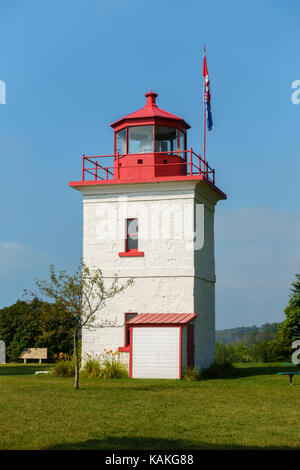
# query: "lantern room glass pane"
140,139
182,141
121,142
166,139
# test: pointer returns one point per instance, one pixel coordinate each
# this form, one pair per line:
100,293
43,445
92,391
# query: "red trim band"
124,348
131,253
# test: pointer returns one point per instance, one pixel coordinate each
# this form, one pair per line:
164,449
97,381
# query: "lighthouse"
148,214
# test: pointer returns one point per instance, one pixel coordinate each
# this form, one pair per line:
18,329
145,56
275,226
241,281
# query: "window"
131,244
128,316
140,139
166,139
182,141
121,142
132,235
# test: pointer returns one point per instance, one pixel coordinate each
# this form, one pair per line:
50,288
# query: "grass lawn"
256,410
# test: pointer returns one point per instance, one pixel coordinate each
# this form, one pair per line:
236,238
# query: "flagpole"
204,117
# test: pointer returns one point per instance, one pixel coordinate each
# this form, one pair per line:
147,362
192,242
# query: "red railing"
93,169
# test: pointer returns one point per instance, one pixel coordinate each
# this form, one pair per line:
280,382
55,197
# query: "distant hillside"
238,336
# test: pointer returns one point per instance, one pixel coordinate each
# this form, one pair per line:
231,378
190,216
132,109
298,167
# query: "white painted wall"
155,352
171,277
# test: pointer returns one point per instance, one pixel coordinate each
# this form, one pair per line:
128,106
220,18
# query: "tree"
290,327
82,295
25,324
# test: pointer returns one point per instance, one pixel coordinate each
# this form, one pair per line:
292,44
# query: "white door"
155,352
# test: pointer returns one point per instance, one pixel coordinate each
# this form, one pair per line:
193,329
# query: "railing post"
118,165
214,176
191,160
96,171
83,157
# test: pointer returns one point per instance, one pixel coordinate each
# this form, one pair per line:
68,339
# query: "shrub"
191,374
225,353
64,369
91,369
104,366
113,369
231,353
271,351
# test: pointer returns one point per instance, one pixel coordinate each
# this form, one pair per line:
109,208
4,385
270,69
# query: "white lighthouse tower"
149,215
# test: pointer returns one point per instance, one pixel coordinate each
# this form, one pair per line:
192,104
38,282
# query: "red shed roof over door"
151,110
162,319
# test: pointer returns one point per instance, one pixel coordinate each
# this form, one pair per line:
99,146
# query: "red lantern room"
150,142
150,145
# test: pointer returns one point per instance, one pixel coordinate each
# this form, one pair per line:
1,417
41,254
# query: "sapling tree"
83,294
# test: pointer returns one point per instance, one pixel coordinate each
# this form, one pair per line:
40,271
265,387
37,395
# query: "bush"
271,351
64,369
226,353
91,369
191,374
104,366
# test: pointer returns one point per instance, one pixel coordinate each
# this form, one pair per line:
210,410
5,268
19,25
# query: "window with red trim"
132,241
128,316
132,235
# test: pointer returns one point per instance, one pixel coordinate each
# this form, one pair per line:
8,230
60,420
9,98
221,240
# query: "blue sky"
72,67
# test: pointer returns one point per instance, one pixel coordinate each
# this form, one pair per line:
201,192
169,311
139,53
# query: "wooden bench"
33,353
291,373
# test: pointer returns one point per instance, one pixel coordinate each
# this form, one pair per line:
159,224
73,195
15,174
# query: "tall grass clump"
65,364
64,369
191,374
104,366
91,368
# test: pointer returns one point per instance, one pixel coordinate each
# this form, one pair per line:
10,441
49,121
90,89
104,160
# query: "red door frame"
190,345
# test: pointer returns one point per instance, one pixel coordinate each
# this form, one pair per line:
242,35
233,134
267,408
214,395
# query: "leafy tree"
271,351
290,327
25,324
82,295
54,329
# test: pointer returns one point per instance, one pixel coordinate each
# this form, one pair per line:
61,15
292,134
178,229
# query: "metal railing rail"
194,163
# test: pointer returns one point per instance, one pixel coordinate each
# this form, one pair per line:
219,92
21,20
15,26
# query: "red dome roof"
151,110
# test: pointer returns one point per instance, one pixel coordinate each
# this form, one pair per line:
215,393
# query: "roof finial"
151,98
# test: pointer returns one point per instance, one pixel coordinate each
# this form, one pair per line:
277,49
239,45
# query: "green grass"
255,410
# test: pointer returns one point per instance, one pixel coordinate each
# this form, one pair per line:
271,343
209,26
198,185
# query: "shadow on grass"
22,369
262,370
146,443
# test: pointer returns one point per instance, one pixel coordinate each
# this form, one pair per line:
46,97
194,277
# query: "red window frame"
131,251
127,326
128,234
